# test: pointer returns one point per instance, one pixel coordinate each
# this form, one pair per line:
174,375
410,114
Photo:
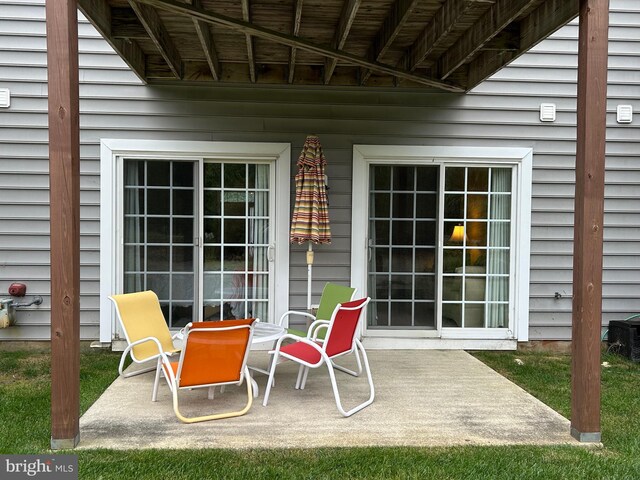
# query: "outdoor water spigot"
37,300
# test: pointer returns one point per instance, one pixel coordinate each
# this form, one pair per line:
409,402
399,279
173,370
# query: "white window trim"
111,153
520,158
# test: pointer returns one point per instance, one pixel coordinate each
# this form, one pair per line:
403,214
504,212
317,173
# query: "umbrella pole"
309,270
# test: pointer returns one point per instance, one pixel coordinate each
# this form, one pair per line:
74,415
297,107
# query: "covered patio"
451,46
424,398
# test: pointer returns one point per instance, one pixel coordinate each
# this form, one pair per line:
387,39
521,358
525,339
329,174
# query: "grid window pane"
478,180
183,202
402,314
212,202
402,260
380,177
235,175
483,238
402,232
158,201
156,193
403,205
454,179
158,258
454,206
158,230
426,205
236,272
403,215
182,174
381,229
425,286
403,178
424,314
182,259
183,230
212,175
234,231
381,203
159,173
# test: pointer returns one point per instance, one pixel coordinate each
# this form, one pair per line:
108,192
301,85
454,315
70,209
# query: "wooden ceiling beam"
400,13
497,17
348,15
295,30
546,19
444,21
180,8
99,14
246,16
159,35
542,22
125,24
206,41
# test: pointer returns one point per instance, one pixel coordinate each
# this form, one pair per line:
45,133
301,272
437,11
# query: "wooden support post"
588,222
64,183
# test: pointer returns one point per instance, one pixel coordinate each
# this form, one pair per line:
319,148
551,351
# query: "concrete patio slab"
423,398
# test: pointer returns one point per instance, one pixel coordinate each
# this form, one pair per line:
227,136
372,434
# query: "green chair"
332,296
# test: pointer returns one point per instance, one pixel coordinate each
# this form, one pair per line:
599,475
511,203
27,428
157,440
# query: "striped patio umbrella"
310,222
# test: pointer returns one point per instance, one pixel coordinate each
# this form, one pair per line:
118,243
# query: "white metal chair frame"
173,380
324,359
313,331
129,349
314,328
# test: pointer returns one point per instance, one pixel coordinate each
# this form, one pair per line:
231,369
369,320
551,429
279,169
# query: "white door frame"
519,158
112,151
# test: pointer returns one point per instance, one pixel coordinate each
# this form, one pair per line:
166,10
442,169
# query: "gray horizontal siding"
502,112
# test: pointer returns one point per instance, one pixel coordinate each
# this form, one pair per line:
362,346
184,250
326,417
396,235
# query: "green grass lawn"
25,428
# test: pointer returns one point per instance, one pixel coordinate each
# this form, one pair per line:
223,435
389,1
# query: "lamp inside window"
458,235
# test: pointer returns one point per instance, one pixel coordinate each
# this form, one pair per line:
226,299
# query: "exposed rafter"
208,47
297,20
349,11
447,44
445,20
159,36
545,20
246,15
400,13
499,15
100,14
273,35
532,29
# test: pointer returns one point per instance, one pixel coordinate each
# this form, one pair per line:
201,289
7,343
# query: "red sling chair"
341,339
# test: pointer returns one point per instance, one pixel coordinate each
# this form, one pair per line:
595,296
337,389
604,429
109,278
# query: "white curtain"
259,237
498,258
133,225
371,252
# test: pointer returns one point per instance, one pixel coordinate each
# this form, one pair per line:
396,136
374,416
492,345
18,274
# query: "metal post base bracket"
65,443
586,437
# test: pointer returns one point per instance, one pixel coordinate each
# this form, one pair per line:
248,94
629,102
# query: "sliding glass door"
402,246
198,233
159,230
477,247
436,238
236,241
